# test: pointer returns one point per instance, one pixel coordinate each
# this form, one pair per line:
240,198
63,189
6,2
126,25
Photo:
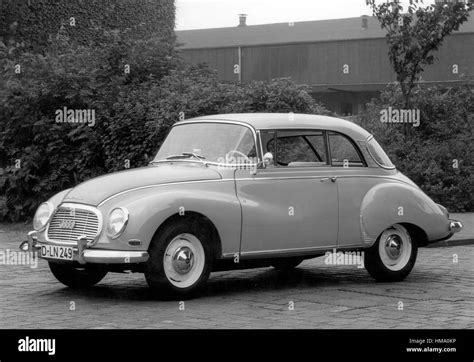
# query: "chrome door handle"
332,179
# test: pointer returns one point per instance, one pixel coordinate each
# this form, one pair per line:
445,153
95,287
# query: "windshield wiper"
199,157
186,155
183,155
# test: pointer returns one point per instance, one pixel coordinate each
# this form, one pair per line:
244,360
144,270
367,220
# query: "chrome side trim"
291,252
159,185
314,177
241,179
294,252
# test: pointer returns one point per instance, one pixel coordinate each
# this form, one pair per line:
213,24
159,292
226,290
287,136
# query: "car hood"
96,190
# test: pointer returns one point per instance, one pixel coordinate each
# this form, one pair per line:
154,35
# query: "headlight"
42,215
117,223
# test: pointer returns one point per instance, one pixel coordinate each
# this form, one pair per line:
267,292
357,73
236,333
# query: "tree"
414,36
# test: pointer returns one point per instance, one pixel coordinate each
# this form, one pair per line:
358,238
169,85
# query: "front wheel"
393,255
180,260
77,277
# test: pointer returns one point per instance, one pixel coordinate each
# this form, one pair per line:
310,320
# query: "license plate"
57,252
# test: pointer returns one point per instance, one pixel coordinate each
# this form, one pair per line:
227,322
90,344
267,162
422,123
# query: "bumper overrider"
83,254
455,226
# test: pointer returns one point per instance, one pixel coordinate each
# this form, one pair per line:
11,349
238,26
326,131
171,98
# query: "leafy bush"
42,156
437,155
34,21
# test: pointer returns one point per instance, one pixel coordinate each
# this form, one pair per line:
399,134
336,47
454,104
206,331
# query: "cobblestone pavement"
437,294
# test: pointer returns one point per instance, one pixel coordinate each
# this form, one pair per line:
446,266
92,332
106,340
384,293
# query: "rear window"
378,154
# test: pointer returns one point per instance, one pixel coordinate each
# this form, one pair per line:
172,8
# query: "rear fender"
394,203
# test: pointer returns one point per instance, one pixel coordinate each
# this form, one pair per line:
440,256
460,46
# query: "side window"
298,149
267,141
343,152
317,142
293,149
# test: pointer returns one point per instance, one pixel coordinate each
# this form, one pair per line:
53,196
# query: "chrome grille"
70,222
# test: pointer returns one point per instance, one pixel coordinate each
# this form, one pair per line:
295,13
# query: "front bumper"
83,254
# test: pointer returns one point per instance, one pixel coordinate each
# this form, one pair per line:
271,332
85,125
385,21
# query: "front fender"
150,207
394,203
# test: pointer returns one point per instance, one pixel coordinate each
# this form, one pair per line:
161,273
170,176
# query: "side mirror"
267,161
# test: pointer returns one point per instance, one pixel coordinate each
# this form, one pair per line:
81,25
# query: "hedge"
35,21
436,155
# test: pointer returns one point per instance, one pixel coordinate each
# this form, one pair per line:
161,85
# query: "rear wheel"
77,277
180,260
393,255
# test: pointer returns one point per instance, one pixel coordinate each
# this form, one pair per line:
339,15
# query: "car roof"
261,121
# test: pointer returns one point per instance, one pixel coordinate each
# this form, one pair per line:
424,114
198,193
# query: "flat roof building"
344,61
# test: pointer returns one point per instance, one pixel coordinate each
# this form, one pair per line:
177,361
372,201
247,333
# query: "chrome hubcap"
183,260
393,246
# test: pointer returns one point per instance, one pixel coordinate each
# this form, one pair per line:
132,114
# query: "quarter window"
378,154
343,152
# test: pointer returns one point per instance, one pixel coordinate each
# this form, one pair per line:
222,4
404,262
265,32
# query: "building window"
346,109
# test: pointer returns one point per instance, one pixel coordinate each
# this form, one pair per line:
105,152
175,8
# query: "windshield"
209,142
378,154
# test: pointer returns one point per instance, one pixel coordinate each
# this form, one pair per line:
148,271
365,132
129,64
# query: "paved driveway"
438,294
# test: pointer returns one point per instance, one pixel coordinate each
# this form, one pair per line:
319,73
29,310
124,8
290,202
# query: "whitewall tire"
393,255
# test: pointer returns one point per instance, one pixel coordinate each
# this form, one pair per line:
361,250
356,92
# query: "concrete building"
344,61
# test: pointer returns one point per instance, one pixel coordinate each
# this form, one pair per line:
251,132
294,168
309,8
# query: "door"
291,206
354,179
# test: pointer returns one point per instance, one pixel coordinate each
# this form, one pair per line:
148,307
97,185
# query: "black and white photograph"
237,165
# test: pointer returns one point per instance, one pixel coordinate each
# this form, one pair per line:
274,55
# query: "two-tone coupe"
241,191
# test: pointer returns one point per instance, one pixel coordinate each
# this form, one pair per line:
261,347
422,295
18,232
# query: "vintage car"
241,191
